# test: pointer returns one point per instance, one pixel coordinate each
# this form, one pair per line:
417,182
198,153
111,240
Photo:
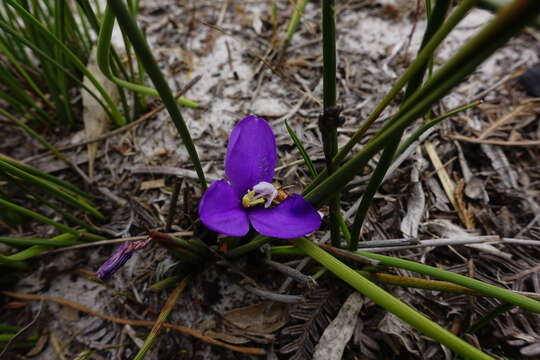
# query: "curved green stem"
103,58
130,28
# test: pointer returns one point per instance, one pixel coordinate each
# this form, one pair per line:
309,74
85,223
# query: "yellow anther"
249,199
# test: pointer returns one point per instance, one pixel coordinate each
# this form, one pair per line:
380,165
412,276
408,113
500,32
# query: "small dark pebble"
531,81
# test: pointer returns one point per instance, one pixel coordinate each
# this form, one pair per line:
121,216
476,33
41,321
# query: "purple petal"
118,258
293,218
251,154
221,210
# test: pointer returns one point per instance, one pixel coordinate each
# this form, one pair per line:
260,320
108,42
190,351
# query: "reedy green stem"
422,129
482,287
295,20
422,58
389,302
328,122
103,58
435,22
145,56
508,22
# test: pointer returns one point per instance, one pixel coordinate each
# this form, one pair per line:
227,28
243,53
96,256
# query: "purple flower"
119,257
229,207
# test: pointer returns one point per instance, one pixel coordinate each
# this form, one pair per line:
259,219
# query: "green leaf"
302,150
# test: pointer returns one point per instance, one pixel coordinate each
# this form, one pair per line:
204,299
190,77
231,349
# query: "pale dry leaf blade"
336,336
416,203
96,120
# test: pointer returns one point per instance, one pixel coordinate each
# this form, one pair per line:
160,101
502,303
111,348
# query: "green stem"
60,33
416,134
103,59
435,22
38,249
302,150
374,182
423,57
41,242
52,189
144,54
329,118
295,20
162,318
389,302
19,265
507,23
482,287
42,175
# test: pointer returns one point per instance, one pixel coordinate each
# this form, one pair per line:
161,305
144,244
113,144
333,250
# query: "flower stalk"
329,120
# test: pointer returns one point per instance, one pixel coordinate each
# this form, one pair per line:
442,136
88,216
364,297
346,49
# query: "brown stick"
195,333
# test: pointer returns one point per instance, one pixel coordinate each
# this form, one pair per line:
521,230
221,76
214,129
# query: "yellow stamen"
249,199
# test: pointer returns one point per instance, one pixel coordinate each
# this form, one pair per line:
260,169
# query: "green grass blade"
46,186
39,52
38,249
130,28
15,61
163,315
5,261
41,242
35,215
43,142
48,177
422,129
60,33
117,117
295,21
302,150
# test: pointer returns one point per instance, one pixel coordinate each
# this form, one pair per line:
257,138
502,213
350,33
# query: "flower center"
262,193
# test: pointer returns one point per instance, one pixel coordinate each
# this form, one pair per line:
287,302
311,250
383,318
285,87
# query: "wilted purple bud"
119,257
